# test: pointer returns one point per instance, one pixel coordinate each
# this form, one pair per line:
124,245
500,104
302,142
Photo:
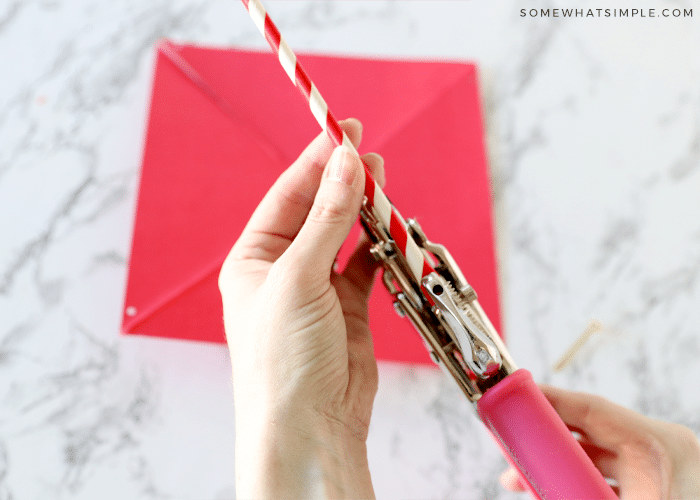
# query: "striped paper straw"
376,199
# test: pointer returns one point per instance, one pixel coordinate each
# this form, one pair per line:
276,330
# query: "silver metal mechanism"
485,360
443,308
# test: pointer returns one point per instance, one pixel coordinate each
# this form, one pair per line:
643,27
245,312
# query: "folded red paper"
224,124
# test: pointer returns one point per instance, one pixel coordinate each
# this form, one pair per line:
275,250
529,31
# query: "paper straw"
376,199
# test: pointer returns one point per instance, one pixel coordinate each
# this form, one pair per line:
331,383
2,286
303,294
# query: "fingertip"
344,166
511,481
332,214
556,394
549,388
353,128
375,163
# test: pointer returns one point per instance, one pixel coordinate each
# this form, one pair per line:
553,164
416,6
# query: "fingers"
641,454
604,461
510,480
334,210
641,475
603,423
282,212
361,266
621,443
375,163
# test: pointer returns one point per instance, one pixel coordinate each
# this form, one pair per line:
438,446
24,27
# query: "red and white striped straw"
377,200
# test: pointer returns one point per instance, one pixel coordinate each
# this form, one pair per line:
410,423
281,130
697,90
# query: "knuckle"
326,211
221,282
295,197
688,440
224,279
648,445
592,411
646,451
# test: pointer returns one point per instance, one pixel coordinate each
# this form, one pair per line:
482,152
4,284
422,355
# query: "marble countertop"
593,132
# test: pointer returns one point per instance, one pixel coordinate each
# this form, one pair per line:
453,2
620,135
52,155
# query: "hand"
304,372
648,458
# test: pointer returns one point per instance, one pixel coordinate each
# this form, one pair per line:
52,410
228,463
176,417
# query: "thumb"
510,480
332,215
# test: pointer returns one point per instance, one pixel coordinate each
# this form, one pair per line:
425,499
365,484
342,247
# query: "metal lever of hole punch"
485,360
443,308
445,311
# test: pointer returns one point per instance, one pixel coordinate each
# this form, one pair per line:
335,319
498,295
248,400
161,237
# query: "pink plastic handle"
536,441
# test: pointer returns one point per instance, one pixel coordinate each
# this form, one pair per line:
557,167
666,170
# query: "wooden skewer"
593,327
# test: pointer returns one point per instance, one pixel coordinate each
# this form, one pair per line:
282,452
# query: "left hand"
304,372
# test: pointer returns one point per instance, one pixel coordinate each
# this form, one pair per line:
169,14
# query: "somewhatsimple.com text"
636,13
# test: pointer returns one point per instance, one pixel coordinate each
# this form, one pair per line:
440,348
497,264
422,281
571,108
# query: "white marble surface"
594,141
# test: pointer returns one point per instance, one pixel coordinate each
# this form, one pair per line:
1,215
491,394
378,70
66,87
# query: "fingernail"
340,167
